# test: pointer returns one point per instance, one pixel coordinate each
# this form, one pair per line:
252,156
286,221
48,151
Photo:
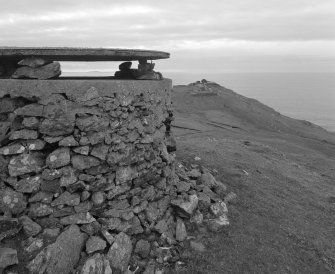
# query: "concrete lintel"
43,88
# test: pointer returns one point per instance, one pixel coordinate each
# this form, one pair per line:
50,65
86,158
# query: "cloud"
197,20
70,16
188,29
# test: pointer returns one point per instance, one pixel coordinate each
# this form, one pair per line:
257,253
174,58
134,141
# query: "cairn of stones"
202,88
88,177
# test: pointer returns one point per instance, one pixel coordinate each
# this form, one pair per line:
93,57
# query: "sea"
305,96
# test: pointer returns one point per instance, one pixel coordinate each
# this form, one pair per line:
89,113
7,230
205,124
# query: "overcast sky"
212,36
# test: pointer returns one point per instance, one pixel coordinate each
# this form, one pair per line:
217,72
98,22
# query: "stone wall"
99,138
73,147
90,159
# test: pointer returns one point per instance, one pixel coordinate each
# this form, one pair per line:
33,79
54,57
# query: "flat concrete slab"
80,54
31,88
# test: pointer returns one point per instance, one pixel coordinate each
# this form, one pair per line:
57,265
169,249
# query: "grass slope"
283,171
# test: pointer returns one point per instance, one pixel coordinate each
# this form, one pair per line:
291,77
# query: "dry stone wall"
100,142
86,167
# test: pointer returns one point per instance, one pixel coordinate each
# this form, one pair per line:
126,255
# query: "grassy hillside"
283,171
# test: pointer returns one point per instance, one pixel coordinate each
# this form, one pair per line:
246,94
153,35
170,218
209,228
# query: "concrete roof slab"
80,54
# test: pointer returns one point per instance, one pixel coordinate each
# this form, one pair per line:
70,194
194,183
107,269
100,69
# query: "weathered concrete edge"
80,54
43,88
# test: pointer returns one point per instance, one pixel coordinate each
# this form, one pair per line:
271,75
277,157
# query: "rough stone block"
120,252
92,123
61,125
25,163
61,256
11,201
82,162
48,71
58,158
35,110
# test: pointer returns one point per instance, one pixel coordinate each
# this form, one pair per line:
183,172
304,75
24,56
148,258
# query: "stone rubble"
92,183
43,72
30,68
